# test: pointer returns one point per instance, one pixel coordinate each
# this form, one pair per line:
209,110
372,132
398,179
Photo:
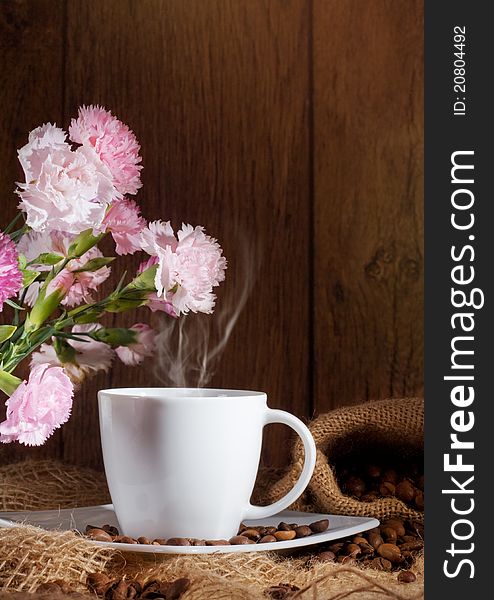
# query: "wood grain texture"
368,156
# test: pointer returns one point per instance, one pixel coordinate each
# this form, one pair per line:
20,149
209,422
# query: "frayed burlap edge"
399,421
30,556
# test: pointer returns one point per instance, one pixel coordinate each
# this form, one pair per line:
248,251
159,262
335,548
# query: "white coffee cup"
182,462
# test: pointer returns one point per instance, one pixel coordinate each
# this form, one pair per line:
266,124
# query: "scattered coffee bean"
302,531
177,542
390,552
144,540
99,535
281,592
326,556
375,539
405,491
319,526
217,543
284,527
176,588
406,577
252,534
284,536
98,583
159,542
267,539
381,564
124,539
239,539
389,534
112,530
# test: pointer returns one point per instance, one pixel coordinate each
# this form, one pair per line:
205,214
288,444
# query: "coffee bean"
405,491
375,539
390,475
366,548
252,534
217,543
177,588
110,529
284,591
346,560
269,530
242,527
302,531
98,583
284,527
144,540
196,542
159,542
177,542
396,524
419,500
124,539
283,536
336,547
355,486
319,526
99,535
352,550
239,539
390,552
406,577
389,534
358,539
412,546
387,489
373,471
381,564
326,556
267,539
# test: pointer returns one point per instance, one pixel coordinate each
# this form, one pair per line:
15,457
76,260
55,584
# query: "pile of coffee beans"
368,482
390,547
246,535
103,586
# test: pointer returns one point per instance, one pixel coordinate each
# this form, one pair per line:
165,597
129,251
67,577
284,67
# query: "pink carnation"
38,406
154,303
188,269
124,222
83,283
10,274
65,190
113,141
134,354
91,356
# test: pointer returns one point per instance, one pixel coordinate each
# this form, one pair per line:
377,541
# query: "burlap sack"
396,424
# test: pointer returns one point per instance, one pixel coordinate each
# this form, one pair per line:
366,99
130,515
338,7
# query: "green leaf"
28,277
144,281
83,242
95,263
47,258
6,332
14,304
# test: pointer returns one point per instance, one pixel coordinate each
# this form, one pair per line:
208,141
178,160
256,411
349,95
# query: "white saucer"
78,518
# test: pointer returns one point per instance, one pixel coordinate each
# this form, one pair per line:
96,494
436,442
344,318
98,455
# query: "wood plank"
368,149
31,90
217,94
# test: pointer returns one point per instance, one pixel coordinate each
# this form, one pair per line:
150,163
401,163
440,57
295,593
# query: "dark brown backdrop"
297,121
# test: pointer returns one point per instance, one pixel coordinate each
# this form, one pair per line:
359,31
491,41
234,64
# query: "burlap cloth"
30,556
396,425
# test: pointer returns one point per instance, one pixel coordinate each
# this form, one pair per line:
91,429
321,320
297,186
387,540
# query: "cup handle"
281,416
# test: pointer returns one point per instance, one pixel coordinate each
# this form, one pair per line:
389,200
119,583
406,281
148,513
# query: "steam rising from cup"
188,349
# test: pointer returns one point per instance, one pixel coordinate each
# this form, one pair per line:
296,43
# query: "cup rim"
179,393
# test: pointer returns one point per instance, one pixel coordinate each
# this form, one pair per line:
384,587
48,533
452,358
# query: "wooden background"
296,124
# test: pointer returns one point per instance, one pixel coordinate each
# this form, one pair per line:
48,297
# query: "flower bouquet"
75,194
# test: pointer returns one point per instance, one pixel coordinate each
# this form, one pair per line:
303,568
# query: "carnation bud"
116,336
84,242
48,300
